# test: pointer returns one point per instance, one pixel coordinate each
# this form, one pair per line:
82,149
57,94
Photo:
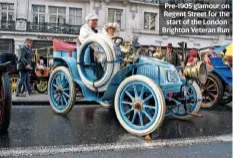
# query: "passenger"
110,29
40,65
171,56
89,28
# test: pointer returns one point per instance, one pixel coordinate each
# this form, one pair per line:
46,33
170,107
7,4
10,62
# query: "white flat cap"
91,16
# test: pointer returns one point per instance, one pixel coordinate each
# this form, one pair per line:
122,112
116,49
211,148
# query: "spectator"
151,51
171,56
24,67
193,57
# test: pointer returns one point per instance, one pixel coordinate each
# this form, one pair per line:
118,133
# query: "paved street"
215,150
37,130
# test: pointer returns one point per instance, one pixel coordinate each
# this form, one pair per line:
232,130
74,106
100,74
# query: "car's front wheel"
139,105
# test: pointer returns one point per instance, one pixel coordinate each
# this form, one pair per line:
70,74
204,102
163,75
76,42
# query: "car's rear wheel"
41,86
193,103
212,91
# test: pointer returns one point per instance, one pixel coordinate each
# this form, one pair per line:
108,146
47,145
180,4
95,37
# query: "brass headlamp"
196,70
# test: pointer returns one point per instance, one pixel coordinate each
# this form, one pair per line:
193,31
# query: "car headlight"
172,75
196,71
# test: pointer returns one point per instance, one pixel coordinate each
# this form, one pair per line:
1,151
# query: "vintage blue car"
143,91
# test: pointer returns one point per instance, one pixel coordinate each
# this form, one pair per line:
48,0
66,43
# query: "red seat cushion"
63,46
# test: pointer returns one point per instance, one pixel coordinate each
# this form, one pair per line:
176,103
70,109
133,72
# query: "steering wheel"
117,41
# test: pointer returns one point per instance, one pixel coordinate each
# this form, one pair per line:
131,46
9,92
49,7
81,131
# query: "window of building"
6,12
149,21
38,13
75,16
57,15
115,15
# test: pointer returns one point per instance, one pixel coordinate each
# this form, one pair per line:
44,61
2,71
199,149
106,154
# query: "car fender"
220,69
71,64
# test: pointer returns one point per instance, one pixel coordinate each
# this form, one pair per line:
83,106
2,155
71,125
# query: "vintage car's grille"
149,71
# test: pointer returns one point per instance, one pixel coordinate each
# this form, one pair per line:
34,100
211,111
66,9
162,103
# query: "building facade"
45,20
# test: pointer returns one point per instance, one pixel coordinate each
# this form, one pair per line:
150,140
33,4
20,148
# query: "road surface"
87,130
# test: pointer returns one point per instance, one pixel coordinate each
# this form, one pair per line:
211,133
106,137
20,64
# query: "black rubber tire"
220,91
6,102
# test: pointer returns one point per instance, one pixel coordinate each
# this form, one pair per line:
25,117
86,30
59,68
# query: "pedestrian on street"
171,56
24,67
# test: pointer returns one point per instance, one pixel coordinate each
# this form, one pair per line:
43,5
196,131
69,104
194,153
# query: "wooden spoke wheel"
212,91
41,86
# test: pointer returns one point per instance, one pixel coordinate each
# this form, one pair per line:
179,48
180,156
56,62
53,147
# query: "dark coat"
24,58
174,59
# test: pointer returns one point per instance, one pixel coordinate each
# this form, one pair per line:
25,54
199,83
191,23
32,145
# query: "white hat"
91,16
113,25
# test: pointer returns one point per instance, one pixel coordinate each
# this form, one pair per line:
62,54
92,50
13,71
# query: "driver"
89,28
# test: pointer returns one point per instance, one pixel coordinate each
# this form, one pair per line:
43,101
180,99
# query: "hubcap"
138,105
59,90
14,83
